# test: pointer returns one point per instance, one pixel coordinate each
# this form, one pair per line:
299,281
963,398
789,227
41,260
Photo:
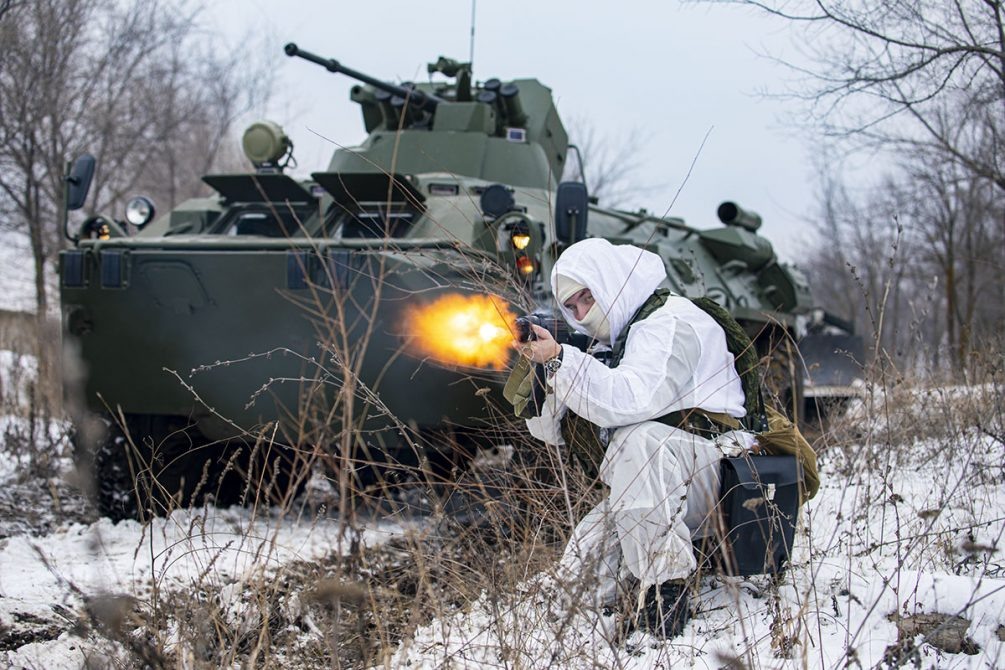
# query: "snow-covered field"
873,547
51,581
906,532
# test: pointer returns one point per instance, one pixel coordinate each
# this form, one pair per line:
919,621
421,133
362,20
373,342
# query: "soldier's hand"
542,349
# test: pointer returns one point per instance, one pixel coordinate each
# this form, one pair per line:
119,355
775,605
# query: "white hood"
620,277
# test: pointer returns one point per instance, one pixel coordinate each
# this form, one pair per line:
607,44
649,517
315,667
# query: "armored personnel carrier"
364,314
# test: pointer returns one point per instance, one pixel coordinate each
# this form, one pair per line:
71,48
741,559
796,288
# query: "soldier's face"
579,304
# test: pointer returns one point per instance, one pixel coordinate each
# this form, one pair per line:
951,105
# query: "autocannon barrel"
733,215
414,96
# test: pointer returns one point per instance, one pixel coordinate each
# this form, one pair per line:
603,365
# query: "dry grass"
483,539
491,532
486,538
477,538
488,534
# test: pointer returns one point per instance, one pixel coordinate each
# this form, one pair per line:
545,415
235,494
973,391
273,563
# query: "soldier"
668,359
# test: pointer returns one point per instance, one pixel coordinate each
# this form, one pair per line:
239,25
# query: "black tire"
105,473
251,474
154,464
783,380
433,458
146,466
373,470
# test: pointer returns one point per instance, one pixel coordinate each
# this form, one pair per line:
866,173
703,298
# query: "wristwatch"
552,365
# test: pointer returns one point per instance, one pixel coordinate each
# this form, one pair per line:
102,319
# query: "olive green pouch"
519,389
784,439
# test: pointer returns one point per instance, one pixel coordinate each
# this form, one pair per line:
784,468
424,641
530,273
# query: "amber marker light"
525,265
520,240
471,330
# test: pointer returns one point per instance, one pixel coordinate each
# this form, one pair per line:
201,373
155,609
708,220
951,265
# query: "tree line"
137,84
916,257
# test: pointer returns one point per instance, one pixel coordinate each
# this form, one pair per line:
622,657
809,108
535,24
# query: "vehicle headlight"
139,211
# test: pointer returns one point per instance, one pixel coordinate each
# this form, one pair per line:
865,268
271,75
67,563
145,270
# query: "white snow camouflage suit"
663,481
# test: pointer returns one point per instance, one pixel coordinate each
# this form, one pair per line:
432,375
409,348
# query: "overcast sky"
668,70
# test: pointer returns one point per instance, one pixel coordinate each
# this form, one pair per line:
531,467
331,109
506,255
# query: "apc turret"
501,132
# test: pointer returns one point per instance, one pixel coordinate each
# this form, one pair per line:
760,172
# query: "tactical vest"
582,437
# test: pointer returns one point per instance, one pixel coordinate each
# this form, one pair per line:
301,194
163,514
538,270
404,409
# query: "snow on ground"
128,557
897,530
46,580
930,542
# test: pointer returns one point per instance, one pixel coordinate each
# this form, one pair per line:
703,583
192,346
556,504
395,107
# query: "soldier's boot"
665,609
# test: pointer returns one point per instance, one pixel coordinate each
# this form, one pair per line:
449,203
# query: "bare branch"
611,164
132,83
882,72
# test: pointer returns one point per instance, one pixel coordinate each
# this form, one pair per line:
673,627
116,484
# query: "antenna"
471,51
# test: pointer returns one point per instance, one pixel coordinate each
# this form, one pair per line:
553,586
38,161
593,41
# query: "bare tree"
128,82
6,6
611,164
906,73
918,261
194,120
959,222
858,268
923,80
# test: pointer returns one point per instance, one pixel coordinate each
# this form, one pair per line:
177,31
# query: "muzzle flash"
471,330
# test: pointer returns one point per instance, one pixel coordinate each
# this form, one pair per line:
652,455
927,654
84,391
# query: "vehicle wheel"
154,464
782,382
374,469
448,453
271,474
148,466
434,460
105,472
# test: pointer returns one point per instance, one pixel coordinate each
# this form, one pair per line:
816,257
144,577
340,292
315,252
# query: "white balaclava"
594,322
620,278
